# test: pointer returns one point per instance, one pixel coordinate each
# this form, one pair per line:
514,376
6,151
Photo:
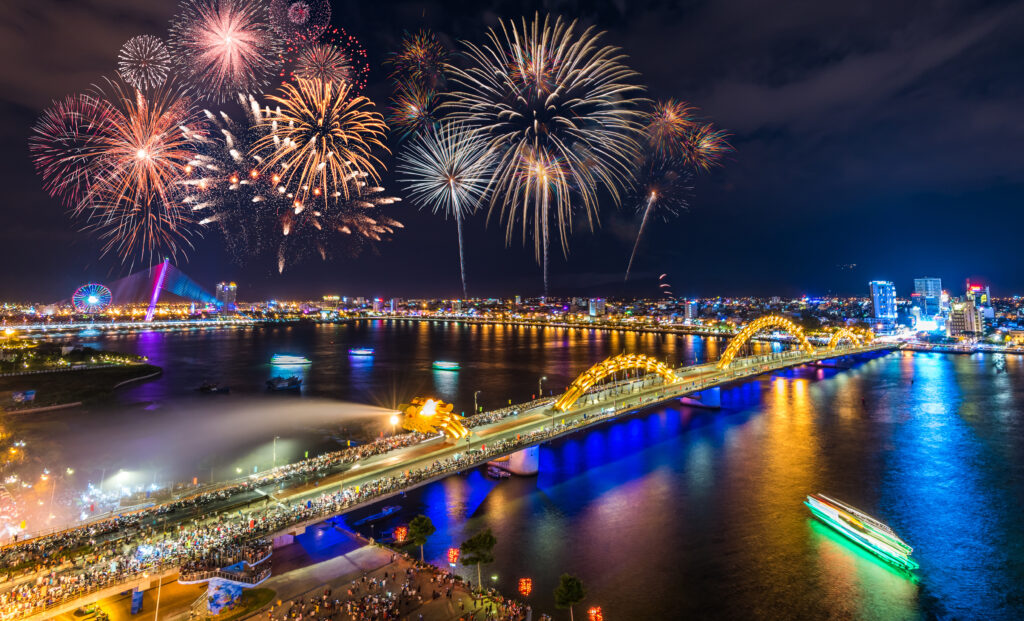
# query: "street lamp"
274,465
475,407
540,386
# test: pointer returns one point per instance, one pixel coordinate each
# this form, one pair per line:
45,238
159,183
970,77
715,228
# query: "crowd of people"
145,548
397,594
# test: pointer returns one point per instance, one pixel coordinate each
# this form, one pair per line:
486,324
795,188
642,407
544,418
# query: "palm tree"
420,528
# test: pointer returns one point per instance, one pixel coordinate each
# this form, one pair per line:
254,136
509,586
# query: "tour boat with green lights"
444,365
862,529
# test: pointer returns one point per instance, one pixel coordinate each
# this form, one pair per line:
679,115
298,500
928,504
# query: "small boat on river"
386,511
281,384
864,530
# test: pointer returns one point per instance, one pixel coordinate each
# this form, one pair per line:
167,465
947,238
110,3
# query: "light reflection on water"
694,514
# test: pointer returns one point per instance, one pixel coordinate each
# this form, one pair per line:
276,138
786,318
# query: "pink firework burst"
225,47
300,20
335,57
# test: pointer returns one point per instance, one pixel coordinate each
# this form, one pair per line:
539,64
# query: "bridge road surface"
643,393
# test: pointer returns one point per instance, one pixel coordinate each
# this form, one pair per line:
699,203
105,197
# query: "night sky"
883,134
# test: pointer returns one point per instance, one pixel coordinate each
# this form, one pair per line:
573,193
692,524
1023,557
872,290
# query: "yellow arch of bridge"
599,371
763,323
854,335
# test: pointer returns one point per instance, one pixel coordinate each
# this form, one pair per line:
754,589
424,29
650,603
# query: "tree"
479,550
420,528
569,592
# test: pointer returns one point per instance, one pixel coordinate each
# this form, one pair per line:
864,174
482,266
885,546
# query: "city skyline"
803,169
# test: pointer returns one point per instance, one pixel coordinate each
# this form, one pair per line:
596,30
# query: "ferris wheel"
91,298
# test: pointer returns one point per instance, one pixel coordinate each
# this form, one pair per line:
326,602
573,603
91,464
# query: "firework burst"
704,147
257,212
420,59
144,62
225,47
668,126
447,169
139,161
68,144
300,20
662,189
559,109
413,109
321,140
334,57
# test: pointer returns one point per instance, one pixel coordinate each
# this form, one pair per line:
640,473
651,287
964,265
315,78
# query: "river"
670,513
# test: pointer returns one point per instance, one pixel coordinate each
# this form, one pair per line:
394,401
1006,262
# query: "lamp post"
540,386
274,465
475,407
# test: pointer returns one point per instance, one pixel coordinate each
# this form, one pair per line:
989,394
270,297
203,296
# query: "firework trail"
300,20
448,170
559,110
321,140
257,212
663,188
225,47
334,57
127,155
67,146
144,62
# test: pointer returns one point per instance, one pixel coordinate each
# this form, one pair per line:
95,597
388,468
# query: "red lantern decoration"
594,614
525,586
453,556
400,534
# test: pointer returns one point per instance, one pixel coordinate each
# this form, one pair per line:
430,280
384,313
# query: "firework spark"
321,140
334,57
448,170
300,20
137,153
663,186
258,213
225,46
144,62
559,109
668,126
68,145
420,59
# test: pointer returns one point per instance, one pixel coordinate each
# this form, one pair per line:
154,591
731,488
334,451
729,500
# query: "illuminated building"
597,307
378,305
883,302
226,295
691,311
982,299
928,295
965,319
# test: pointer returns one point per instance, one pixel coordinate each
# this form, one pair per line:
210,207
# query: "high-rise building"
691,311
227,294
928,295
965,319
456,306
982,298
883,301
378,305
596,307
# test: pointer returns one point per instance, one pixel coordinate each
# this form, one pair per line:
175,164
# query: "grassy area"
86,385
250,601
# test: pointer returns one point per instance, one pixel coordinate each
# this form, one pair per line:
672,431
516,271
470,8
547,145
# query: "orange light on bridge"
453,556
595,614
525,586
